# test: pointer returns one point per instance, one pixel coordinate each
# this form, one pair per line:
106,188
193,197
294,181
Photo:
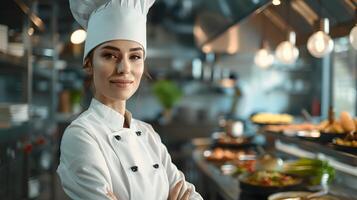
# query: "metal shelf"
34,126
13,61
14,132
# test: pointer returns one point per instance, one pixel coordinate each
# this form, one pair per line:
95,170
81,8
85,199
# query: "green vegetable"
313,169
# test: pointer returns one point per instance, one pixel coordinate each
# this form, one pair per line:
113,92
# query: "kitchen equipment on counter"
269,162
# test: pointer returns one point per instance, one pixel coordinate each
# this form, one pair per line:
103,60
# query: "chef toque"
107,20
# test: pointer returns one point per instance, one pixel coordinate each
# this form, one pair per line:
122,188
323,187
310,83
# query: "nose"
123,66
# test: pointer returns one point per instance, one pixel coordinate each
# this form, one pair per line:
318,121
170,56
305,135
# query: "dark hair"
88,63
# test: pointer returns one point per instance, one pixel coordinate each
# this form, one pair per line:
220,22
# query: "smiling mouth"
121,83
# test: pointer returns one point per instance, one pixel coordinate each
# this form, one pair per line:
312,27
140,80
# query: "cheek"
101,72
139,70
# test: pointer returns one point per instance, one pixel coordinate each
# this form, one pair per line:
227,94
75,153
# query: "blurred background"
214,66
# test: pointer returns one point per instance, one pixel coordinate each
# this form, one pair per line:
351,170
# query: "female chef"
105,153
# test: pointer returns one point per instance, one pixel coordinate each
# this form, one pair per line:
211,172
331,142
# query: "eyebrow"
117,49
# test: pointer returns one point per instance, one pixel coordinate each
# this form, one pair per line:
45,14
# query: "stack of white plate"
13,113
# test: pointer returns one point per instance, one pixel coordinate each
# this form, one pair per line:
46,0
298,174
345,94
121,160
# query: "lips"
121,82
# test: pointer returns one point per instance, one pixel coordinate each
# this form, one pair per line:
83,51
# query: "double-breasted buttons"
156,166
134,168
117,137
138,133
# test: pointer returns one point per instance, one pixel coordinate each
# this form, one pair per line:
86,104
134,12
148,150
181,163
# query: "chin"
122,96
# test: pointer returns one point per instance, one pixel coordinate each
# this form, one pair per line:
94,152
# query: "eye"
135,57
109,56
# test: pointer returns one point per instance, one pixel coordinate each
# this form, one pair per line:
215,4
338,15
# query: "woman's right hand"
175,191
111,195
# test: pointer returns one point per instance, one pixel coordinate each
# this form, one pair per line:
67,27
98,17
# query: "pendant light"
320,43
263,57
286,52
78,36
276,2
353,34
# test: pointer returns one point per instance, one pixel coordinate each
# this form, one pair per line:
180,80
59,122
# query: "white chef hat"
107,20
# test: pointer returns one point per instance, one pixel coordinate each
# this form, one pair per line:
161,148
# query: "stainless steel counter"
226,187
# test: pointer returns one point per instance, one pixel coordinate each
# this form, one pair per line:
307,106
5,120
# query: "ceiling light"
320,43
263,58
276,2
78,36
286,52
30,31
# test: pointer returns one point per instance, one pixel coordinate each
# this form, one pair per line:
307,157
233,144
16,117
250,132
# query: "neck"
117,105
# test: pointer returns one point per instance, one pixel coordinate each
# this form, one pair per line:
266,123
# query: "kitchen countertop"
227,187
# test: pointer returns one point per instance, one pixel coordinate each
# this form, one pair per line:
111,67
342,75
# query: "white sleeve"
82,169
174,175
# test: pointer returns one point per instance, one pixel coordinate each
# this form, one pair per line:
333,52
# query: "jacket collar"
113,119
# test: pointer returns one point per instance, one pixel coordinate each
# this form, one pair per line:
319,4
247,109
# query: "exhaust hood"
214,27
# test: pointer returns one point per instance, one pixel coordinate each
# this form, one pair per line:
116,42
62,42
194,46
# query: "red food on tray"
223,155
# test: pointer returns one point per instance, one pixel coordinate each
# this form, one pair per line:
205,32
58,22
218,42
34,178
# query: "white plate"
293,194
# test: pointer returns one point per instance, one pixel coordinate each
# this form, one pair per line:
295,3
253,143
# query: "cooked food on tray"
269,118
271,178
347,122
244,166
344,124
232,140
291,127
331,127
349,141
221,154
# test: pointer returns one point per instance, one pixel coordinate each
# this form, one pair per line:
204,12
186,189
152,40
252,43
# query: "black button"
156,166
138,133
117,137
134,168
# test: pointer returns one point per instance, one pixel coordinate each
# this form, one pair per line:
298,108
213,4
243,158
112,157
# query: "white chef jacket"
98,154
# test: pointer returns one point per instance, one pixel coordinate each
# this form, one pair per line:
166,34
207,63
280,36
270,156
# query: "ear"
89,70
88,67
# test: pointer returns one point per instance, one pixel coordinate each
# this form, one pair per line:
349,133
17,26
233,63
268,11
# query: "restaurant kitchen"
253,98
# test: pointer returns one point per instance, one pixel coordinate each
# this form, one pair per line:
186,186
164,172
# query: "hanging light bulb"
78,36
276,2
286,52
353,37
263,58
320,43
